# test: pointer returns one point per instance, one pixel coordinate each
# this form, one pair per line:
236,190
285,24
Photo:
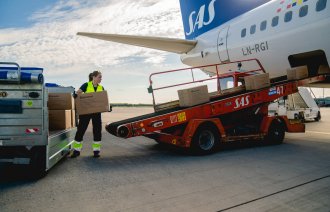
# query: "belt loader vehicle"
233,114
25,137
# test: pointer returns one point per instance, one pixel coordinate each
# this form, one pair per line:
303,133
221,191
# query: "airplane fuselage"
279,34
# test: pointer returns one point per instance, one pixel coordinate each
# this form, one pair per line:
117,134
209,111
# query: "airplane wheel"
276,132
205,139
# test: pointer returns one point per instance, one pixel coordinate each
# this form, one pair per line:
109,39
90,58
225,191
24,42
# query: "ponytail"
93,74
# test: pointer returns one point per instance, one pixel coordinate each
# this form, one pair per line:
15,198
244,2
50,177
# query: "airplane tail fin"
203,15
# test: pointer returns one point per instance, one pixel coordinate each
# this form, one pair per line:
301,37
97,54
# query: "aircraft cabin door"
222,44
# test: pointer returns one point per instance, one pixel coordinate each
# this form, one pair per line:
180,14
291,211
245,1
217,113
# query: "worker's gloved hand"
74,94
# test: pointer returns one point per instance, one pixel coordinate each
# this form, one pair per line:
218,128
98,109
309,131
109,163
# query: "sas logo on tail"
199,19
200,16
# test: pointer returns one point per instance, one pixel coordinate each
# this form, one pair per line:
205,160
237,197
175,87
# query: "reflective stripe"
90,88
96,146
77,145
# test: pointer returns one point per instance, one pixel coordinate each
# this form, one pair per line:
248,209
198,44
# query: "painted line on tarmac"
287,189
324,133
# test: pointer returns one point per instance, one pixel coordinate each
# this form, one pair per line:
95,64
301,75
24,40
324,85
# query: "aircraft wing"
165,44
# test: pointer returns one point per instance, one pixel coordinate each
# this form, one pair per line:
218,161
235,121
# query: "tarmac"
137,174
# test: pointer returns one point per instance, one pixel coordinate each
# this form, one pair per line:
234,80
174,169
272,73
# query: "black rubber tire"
206,139
318,118
276,132
38,163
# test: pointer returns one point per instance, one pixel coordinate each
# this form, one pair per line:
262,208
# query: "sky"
42,33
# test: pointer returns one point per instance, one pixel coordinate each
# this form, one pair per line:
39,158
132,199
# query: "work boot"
75,154
96,154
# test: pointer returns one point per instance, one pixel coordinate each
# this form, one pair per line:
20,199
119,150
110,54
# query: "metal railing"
18,77
235,74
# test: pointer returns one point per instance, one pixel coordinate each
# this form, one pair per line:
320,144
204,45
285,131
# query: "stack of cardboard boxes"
61,111
61,107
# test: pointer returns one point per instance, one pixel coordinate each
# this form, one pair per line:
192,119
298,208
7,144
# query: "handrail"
217,75
18,69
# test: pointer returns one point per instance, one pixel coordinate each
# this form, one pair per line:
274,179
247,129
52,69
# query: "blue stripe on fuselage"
200,16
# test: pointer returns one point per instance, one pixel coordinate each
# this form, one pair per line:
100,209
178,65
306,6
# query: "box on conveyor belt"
60,101
257,81
296,73
95,102
59,119
323,69
193,96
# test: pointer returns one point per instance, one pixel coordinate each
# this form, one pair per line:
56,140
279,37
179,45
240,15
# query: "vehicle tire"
318,118
205,139
276,132
38,163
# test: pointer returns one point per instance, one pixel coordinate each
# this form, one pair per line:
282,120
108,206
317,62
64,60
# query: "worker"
93,85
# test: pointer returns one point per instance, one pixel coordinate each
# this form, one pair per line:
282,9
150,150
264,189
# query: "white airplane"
281,34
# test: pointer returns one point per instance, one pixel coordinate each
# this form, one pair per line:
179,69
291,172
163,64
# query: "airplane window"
243,32
263,25
320,5
275,21
253,29
303,11
288,16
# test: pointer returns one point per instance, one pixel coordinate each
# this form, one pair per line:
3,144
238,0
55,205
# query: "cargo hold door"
222,44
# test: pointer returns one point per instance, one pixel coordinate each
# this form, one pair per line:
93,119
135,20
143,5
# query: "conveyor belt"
112,127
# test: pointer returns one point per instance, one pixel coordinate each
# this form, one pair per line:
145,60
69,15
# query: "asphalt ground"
137,174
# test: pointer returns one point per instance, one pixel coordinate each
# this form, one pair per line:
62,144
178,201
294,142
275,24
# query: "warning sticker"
272,91
181,117
29,103
174,119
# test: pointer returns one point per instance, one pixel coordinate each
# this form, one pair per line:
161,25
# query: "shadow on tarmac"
15,175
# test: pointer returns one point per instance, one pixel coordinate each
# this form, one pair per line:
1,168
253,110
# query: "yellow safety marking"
181,117
174,141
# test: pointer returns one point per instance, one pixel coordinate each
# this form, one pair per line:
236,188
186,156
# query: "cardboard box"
323,69
60,101
256,81
73,118
193,96
59,119
296,73
95,102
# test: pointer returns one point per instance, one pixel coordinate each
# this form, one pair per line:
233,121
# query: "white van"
25,137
